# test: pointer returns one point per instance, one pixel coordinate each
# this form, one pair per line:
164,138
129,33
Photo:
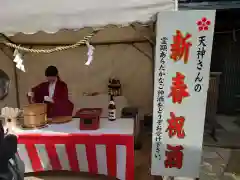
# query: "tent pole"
145,37
16,85
175,5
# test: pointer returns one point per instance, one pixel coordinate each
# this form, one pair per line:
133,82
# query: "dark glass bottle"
111,110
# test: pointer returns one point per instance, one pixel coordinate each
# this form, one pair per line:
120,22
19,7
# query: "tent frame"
8,52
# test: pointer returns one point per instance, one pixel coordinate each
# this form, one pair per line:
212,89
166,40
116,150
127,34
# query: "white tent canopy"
30,16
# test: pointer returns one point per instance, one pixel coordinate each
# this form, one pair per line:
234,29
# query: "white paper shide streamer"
18,60
89,53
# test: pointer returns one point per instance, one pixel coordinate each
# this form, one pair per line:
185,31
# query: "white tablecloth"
108,150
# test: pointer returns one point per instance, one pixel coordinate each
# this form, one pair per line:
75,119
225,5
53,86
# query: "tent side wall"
7,66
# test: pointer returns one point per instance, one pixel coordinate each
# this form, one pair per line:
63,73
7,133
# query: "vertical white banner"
182,68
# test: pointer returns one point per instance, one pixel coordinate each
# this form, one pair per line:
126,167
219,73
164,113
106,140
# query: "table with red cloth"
108,151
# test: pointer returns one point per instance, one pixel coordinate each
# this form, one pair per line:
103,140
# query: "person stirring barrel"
53,92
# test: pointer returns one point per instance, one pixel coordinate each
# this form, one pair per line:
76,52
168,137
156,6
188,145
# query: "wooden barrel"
35,115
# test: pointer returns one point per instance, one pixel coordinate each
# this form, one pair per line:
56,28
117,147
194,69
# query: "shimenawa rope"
85,40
